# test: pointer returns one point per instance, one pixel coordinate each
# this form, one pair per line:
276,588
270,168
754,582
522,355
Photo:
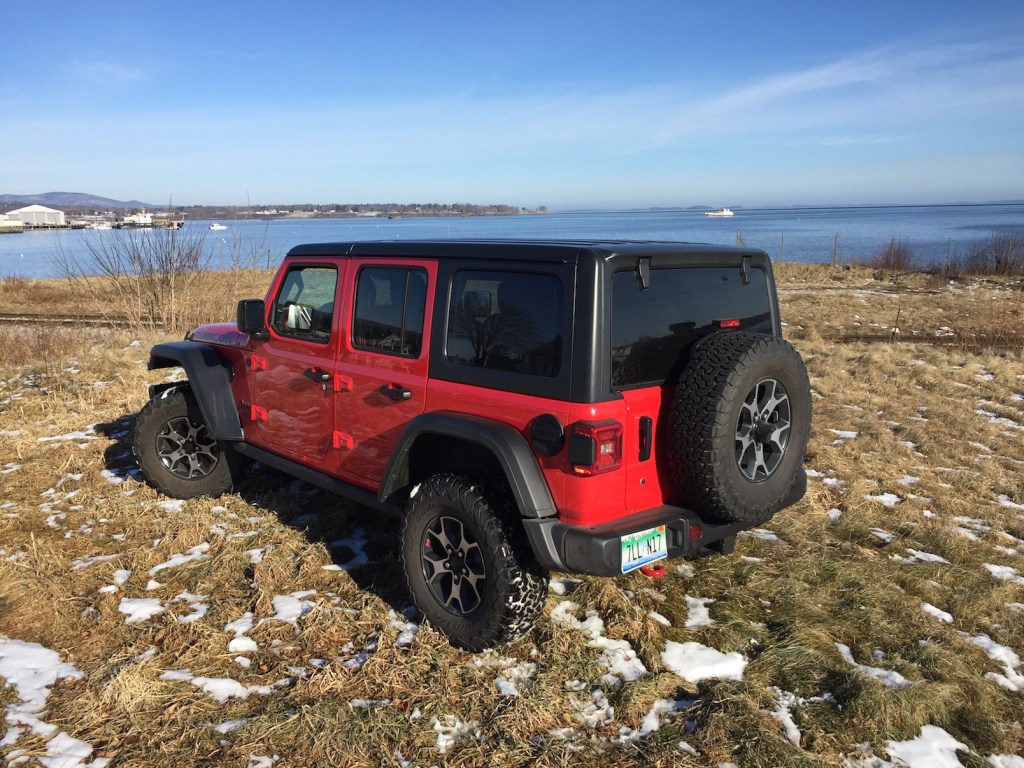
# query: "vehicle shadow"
360,541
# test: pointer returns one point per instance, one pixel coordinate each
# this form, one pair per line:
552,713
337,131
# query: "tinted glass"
390,304
653,330
506,321
304,307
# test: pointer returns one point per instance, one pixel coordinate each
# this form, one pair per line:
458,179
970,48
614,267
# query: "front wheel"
469,572
176,451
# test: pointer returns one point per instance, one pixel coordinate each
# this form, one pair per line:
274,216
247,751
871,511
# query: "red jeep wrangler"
523,406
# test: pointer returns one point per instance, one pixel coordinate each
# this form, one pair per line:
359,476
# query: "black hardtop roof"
557,251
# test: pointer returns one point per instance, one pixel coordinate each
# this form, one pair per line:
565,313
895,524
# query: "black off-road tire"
739,421
469,569
176,452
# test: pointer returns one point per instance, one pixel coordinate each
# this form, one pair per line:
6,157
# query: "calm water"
806,234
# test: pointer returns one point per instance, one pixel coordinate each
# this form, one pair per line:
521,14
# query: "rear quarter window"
653,329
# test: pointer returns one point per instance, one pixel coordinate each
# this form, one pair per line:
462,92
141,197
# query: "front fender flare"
504,442
210,375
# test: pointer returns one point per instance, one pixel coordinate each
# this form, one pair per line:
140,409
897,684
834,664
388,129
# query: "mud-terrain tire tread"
516,586
172,404
703,416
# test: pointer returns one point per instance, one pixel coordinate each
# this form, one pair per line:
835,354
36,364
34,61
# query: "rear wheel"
468,569
740,418
177,452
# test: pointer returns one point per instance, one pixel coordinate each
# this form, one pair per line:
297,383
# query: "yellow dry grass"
917,453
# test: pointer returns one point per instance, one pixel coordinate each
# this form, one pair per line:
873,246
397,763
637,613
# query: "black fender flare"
210,376
504,442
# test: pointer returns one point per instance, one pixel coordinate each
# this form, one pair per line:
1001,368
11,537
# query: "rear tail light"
595,448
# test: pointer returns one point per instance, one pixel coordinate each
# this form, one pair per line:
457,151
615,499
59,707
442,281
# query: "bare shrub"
896,257
142,278
1002,255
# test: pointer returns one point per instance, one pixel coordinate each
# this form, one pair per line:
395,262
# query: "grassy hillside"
271,627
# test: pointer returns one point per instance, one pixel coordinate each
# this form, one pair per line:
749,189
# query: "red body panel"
348,428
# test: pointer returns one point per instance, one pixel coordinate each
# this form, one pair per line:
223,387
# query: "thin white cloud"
107,73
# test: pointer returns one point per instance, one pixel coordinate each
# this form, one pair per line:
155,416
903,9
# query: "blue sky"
596,104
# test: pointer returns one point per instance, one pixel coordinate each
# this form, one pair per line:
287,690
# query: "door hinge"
342,383
256,412
256,363
341,440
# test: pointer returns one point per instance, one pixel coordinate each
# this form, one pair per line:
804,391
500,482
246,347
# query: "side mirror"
251,314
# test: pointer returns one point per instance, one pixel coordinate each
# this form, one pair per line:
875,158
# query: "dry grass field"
879,620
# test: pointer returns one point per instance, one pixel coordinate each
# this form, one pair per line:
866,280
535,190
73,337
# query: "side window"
390,305
506,321
304,306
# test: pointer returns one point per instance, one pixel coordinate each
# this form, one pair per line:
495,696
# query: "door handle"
320,377
395,392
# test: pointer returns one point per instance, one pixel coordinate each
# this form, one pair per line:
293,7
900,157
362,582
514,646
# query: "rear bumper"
597,550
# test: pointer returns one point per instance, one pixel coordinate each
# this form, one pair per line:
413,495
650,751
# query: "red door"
383,365
295,367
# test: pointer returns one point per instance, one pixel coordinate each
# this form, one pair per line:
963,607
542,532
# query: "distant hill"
74,199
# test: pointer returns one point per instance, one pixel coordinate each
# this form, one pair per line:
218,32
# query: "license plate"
643,547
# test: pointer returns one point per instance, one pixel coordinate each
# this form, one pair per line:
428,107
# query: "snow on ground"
695,662
617,655
888,677
451,729
934,748
198,552
697,612
31,670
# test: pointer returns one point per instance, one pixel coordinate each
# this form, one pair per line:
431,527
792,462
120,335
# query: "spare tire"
739,420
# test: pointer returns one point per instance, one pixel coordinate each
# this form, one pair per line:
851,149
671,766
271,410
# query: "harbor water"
933,233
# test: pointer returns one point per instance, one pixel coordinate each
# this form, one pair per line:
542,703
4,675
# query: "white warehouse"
38,216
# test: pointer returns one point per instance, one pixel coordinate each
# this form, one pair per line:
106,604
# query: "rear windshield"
653,329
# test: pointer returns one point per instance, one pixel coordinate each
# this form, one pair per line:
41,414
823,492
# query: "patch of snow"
934,748
1012,680
198,552
695,662
563,586
834,514
697,612
63,751
1004,573
928,557
1005,761
406,629
884,535
139,608
617,655
885,499
888,677
292,607
451,729
937,613
659,618
30,669
356,544
1006,501
764,535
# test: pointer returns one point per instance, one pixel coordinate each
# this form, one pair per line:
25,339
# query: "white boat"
216,226
720,212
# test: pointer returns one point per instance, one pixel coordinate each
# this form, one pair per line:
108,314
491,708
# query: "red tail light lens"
595,448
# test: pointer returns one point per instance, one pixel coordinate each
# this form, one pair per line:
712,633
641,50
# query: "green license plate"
643,547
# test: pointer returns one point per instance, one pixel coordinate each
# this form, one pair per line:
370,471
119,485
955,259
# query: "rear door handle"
395,392
317,375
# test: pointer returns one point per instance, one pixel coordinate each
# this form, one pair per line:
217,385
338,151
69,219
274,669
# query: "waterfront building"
37,216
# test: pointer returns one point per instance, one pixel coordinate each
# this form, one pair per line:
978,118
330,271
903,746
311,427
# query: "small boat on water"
719,213
217,226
